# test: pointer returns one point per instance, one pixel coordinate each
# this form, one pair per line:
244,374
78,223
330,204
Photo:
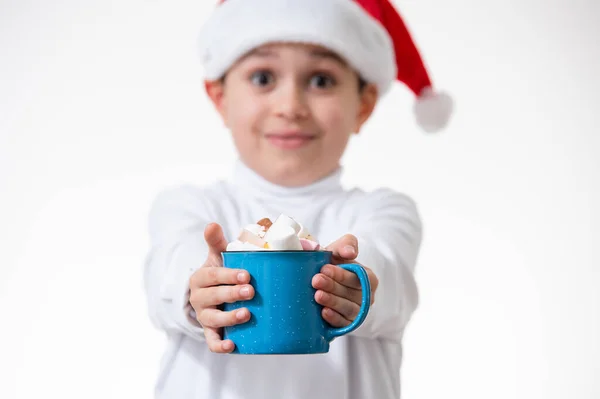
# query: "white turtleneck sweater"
362,365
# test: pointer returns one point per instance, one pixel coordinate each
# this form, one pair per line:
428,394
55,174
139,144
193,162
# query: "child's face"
291,109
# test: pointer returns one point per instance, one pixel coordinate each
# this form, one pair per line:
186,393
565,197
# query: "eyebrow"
262,52
326,54
317,53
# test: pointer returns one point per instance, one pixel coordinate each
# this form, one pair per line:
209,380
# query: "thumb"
213,234
345,248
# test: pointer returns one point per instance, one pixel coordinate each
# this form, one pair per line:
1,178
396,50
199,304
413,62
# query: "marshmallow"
283,221
303,233
255,229
285,234
309,245
242,246
283,238
251,237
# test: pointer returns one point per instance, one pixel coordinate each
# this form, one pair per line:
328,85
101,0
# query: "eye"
322,81
262,78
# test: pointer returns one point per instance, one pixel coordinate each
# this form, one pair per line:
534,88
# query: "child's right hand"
212,285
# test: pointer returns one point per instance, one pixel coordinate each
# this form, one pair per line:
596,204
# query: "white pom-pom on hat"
433,110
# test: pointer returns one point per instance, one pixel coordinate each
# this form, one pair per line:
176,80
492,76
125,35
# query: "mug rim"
277,251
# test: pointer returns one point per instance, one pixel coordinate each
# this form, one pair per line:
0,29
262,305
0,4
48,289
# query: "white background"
102,105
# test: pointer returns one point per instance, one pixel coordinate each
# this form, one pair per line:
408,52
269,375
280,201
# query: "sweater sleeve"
177,249
389,233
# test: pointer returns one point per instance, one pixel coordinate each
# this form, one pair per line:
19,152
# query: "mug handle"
365,286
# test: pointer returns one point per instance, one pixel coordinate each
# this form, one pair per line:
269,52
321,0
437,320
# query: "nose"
290,101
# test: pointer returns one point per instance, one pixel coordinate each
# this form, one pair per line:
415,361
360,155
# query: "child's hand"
338,290
212,285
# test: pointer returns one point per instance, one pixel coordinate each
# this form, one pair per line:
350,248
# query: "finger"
374,283
346,308
211,276
350,280
342,276
215,296
213,234
345,248
334,318
327,284
215,343
214,318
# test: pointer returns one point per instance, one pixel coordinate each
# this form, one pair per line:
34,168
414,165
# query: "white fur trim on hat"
238,26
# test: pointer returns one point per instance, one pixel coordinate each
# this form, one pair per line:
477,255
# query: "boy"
292,85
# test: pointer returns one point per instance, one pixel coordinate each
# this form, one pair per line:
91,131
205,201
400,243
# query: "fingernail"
227,345
240,315
350,249
323,296
245,291
241,277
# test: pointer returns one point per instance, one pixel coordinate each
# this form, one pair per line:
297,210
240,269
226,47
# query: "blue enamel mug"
285,318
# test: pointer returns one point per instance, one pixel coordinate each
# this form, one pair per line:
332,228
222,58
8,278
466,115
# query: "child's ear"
368,99
216,92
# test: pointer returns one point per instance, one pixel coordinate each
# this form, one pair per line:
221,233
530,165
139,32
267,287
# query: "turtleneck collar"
257,186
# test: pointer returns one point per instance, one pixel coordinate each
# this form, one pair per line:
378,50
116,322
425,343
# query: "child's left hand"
338,290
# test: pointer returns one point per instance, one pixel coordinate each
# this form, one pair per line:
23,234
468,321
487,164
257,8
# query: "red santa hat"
369,34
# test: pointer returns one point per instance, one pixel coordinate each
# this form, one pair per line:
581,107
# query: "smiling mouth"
289,141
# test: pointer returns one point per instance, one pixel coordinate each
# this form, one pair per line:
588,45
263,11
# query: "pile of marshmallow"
282,235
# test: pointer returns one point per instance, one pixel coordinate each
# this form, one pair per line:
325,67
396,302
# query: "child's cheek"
335,121
246,117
